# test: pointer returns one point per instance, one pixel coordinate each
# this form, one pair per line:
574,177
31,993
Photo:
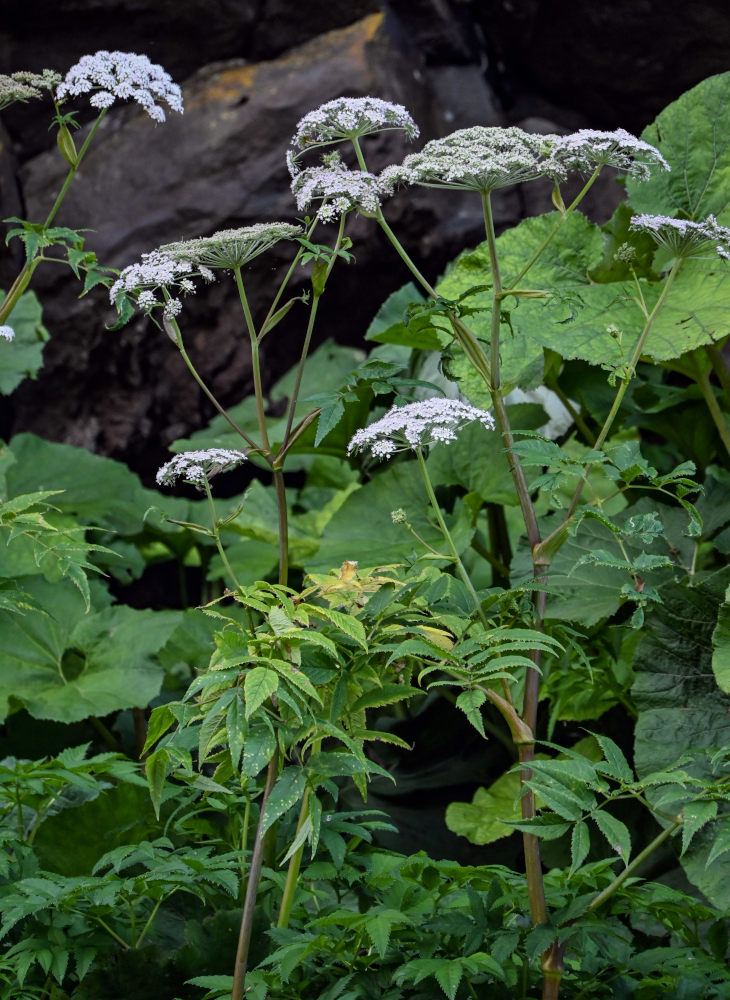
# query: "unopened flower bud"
66,145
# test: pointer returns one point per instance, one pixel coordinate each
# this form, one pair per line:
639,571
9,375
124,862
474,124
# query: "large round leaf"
64,664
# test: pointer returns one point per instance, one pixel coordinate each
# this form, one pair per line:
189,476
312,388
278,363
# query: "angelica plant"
108,77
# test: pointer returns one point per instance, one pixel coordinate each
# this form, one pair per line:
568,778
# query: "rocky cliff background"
249,70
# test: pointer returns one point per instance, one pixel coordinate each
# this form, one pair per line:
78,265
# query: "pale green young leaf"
23,356
487,817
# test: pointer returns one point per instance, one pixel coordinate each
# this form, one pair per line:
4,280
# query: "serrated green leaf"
694,816
616,833
260,684
156,767
286,793
580,843
470,703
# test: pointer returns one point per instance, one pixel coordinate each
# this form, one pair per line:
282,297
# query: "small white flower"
348,118
122,76
684,238
417,424
173,307
476,159
156,272
589,148
197,466
7,332
338,189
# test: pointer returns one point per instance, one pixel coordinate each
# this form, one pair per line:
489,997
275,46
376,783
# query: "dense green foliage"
173,772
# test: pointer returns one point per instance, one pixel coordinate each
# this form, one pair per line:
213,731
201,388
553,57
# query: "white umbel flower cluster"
348,118
157,273
476,159
588,148
684,238
25,86
7,332
231,248
122,76
198,466
338,189
417,424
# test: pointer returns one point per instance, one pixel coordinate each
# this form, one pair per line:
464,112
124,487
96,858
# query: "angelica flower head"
476,159
122,76
7,332
231,248
589,148
25,86
417,424
348,118
155,282
684,238
197,467
338,189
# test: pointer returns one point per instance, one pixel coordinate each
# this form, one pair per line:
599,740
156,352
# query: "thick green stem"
719,367
625,382
255,364
252,886
191,368
283,527
708,394
461,569
631,868
290,886
564,215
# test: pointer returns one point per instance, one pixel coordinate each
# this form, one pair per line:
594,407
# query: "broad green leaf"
366,514
96,490
237,728
681,709
486,818
22,357
449,975
260,684
693,135
67,665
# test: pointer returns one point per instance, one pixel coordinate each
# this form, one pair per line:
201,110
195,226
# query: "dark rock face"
250,69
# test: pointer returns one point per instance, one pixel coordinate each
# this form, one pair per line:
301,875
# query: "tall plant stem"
553,232
217,536
23,279
719,367
252,886
702,379
461,569
640,858
616,405
316,295
193,371
255,364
